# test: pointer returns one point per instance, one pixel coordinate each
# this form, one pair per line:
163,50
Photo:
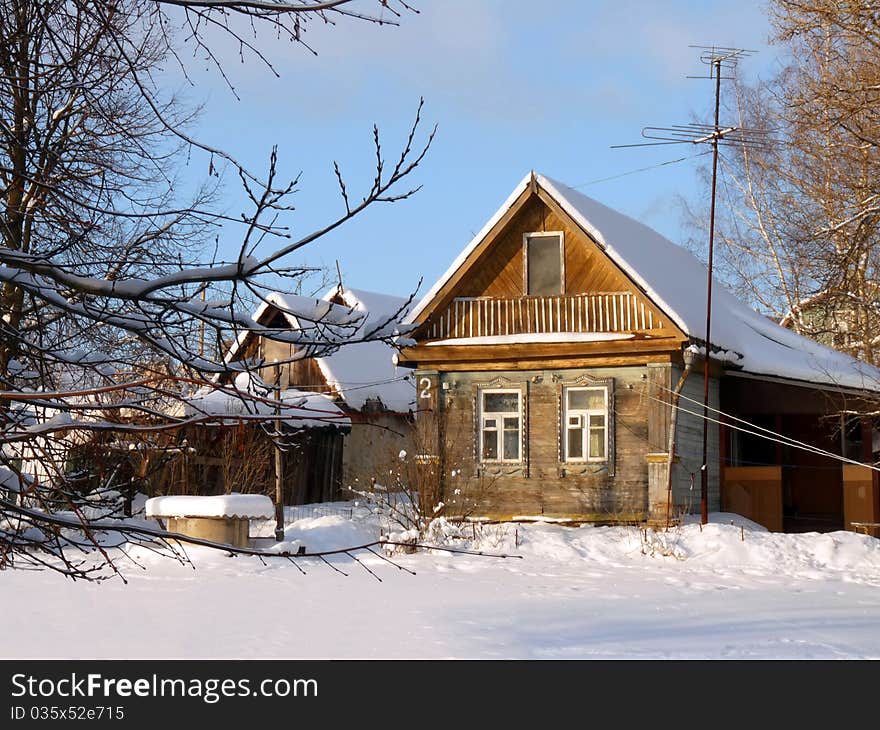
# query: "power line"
788,439
641,169
774,435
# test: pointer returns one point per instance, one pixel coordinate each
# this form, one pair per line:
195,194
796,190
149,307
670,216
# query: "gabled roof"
675,281
358,371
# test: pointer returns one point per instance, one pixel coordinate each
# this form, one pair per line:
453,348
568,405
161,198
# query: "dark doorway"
812,484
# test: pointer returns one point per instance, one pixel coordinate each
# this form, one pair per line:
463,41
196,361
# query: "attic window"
543,255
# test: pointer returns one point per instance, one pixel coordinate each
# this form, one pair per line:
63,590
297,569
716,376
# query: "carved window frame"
502,384
586,381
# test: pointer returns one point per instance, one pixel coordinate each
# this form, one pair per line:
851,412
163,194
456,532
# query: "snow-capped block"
245,506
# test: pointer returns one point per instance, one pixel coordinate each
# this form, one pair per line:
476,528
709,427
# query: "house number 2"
425,388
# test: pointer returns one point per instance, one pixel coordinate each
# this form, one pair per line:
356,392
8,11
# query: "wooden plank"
861,498
552,363
536,349
755,492
544,484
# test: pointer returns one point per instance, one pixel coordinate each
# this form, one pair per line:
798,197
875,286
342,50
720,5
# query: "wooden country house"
359,377
550,354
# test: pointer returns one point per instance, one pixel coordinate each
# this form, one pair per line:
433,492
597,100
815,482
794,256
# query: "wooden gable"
486,298
302,374
500,271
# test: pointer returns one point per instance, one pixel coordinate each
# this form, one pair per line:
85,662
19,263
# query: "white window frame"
499,427
585,414
544,234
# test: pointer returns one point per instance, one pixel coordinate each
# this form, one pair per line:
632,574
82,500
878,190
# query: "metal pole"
704,469
279,502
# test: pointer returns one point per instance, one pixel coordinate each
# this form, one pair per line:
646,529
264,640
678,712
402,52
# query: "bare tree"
104,272
421,494
801,238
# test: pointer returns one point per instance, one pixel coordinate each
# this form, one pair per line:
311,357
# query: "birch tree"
801,238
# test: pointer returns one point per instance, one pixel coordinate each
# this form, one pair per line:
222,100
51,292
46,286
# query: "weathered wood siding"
303,374
499,273
689,444
543,484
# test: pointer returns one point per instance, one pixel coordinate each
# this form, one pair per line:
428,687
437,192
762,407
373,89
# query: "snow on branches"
116,317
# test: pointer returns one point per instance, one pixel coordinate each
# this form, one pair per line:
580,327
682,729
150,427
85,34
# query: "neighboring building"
360,377
548,354
839,320
231,447
225,442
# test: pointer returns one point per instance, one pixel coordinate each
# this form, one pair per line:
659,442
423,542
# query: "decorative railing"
611,312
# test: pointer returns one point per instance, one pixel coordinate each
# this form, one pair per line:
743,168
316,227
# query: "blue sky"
511,85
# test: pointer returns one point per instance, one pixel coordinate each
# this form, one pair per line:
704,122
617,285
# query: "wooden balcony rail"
612,312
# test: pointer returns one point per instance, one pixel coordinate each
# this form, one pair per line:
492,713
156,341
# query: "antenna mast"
719,59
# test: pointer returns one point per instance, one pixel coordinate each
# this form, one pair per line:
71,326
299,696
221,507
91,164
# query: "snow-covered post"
279,501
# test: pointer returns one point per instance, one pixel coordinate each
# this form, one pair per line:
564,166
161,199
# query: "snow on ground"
728,590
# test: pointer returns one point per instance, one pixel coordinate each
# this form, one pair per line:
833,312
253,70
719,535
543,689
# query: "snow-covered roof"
363,371
255,506
297,308
357,371
249,398
676,281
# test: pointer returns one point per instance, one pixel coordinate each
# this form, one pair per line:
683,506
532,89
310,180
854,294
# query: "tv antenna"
721,61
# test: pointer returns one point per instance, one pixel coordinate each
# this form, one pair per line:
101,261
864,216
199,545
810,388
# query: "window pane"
597,444
544,265
500,402
490,444
575,443
586,400
511,444
490,423
597,421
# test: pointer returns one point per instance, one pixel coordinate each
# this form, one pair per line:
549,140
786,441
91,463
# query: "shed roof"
250,399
